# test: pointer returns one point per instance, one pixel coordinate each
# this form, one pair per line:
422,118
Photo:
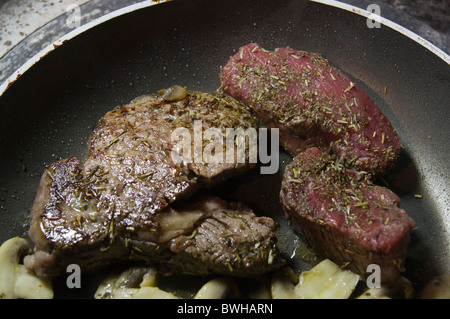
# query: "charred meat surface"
116,206
229,240
151,120
201,236
313,104
344,216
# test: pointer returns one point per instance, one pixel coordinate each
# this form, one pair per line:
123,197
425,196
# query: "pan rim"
148,3
389,23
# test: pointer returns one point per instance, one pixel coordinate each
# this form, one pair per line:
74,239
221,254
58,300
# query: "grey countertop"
28,26
435,13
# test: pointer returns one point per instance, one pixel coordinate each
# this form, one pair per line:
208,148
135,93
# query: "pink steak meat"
344,216
313,104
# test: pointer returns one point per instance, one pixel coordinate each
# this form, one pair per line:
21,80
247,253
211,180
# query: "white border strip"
144,4
408,33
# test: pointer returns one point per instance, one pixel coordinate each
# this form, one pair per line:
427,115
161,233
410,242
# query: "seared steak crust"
313,104
146,124
231,240
116,206
201,236
344,216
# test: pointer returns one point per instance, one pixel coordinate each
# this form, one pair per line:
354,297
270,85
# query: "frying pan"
51,104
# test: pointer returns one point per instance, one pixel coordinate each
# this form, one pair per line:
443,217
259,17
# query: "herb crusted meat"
340,141
344,216
313,104
130,201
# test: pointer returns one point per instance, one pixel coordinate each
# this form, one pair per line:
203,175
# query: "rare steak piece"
344,216
313,104
117,205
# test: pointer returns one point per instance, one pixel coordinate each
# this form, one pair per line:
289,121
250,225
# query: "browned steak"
229,239
146,124
344,216
115,207
313,104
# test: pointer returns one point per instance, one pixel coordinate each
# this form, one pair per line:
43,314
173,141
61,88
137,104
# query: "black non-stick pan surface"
48,112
